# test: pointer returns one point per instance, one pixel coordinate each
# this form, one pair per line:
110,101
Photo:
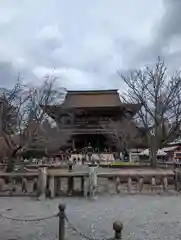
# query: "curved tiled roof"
96,98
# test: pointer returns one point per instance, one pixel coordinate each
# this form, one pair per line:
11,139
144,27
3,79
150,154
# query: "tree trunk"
11,160
153,160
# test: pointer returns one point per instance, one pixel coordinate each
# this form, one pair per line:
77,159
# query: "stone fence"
48,183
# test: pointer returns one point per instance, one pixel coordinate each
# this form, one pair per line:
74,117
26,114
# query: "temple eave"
61,109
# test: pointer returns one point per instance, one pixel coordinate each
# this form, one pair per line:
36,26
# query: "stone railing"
50,183
143,183
18,184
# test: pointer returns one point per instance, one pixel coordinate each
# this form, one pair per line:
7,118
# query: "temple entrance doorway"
97,141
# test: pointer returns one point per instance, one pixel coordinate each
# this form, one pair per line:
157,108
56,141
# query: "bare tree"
159,96
49,139
122,134
21,114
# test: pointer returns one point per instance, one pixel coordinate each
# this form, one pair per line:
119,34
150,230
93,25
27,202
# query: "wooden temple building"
83,113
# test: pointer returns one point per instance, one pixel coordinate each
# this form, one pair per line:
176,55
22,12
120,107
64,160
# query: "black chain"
83,235
27,220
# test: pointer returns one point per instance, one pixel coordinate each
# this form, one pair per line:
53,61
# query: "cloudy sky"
84,42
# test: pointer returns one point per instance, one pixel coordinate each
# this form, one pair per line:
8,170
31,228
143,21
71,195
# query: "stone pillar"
89,158
70,181
165,184
73,143
86,186
130,156
92,180
42,182
82,185
2,184
153,183
52,186
117,184
129,184
140,184
24,185
57,186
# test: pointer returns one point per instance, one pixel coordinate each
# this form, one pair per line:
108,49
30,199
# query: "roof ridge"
90,92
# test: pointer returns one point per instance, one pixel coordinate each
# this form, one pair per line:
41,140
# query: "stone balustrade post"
70,183
35,185
153,183
42,182
118,184
57,186
82,185
140,184
2,184
92,180
24,185
86,187
52,186
129,184
165,183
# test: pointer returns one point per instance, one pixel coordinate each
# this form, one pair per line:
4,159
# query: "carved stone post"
165,183
86,187
52,186
24,185
2,184
118,184
70,181
57,186
42,182
153,183
140,184
129,184
92,180
82,185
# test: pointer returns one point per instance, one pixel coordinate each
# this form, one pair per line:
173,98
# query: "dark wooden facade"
84,113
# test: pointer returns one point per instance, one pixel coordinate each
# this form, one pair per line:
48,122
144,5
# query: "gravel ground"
144,217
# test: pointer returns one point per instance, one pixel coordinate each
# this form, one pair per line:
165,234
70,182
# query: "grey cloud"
8,74
165,34
84,44
170,24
